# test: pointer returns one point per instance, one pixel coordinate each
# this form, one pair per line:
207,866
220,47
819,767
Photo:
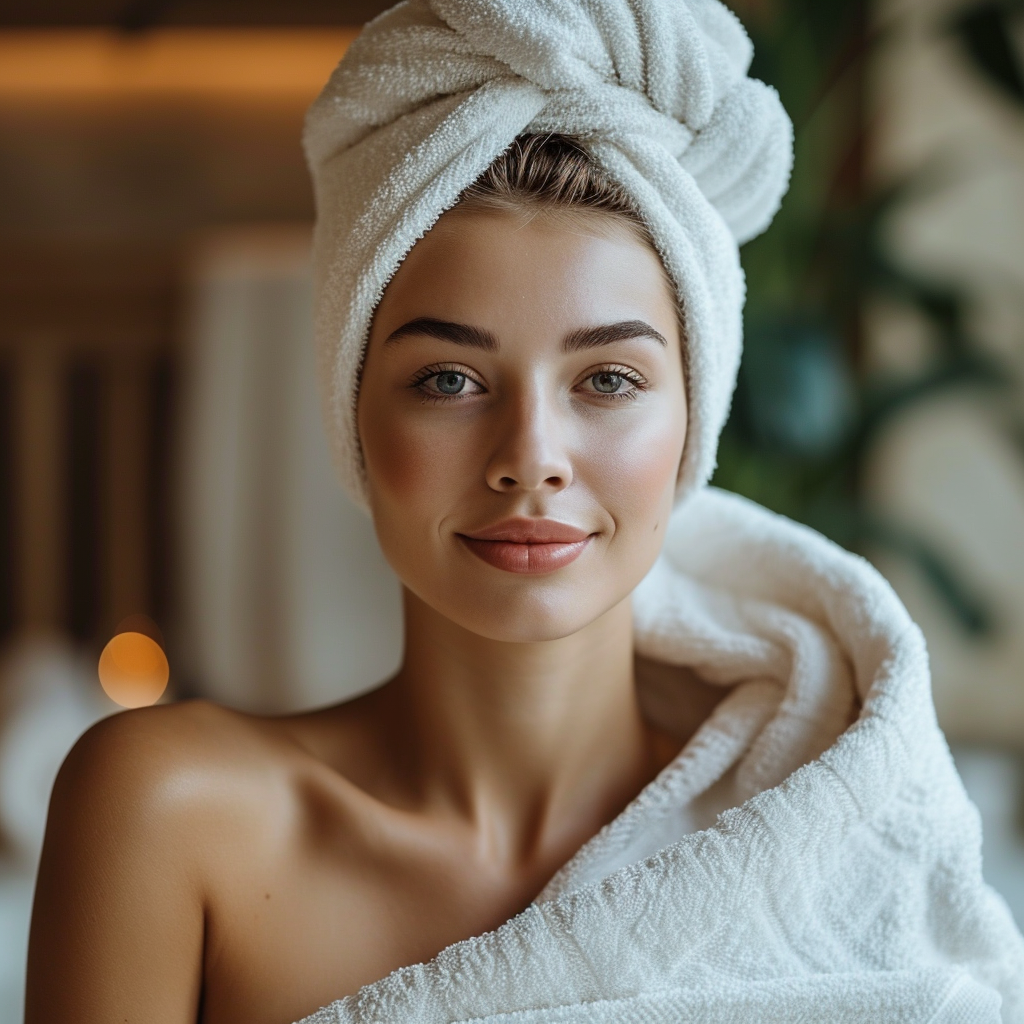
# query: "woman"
529,306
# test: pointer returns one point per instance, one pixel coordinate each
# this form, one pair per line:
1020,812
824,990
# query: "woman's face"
522,415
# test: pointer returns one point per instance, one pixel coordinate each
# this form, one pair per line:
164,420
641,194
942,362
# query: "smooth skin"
205,865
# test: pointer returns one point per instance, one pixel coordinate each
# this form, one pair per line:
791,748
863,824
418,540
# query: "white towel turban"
657,93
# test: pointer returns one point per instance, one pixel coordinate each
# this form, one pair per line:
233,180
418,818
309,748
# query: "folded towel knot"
622,70
683,56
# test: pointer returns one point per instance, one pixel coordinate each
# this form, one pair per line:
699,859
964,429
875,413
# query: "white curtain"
286,599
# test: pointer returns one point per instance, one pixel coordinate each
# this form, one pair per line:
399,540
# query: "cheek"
393,456
633,467
412,462
404,484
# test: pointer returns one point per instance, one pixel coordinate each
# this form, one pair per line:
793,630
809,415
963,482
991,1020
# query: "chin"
525,629
528,613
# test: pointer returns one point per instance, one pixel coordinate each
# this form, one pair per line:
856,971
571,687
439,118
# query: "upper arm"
117,923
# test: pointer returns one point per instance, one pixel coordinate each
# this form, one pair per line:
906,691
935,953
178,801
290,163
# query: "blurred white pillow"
51,696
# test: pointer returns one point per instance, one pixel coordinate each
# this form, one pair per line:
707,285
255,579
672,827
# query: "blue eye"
440,382
618,382
607,383
450,382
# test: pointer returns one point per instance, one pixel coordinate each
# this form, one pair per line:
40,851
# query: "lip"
528,546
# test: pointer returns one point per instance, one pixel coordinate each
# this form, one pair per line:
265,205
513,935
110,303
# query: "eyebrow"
576,341
624,330
445,330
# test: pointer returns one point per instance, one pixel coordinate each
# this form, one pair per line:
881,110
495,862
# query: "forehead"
543,271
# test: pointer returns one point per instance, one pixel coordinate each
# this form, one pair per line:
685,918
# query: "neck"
535,745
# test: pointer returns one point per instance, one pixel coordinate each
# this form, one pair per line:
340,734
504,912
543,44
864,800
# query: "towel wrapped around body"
810,855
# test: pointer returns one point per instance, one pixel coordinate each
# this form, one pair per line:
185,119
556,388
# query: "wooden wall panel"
39,484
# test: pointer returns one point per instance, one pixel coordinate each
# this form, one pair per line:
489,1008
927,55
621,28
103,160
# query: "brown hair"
552,173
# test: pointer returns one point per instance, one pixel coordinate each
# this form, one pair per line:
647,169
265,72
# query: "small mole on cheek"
266,895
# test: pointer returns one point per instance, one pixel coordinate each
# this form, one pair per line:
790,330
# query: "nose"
530,453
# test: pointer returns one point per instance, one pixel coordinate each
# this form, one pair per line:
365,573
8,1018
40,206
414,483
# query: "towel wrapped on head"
658,95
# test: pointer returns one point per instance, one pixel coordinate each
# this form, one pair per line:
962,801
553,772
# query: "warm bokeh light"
133,670
103,63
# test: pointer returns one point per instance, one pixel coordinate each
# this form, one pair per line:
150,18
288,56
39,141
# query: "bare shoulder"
177,792
143,815
193,732
194,830
163,766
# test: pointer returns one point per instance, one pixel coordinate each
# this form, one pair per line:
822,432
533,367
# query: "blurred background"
162,467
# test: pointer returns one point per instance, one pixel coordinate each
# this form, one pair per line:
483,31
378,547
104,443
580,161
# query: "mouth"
528,546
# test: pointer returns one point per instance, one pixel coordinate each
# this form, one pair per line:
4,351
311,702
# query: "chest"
295,931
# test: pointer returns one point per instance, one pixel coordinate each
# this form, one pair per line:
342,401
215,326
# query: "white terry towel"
657,93
809,856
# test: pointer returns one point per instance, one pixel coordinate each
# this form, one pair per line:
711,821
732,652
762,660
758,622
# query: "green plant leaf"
985,35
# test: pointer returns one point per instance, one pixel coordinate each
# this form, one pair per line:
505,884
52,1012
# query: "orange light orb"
133,670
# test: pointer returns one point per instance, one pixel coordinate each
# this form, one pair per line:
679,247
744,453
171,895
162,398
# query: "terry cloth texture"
810,855
656,91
